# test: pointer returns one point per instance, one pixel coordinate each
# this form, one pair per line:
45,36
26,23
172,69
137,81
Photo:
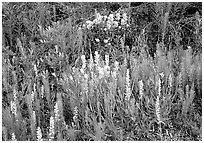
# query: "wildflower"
157,106
13,108
105,41
13,137
123,22
83,61
180,80
114,74
101,72
158,83
56,111
170,80
51,129
96,58
35,69
39,134
14,94
56,48
124,15
86,83
34,118
124,19
141,89
110,21
71,77
75,114
108,25
89,24
187,91
111,17
107,60
98,18
115,24
116,65
97,40
161,74
42,91
107,67
105,17
117,16
128,90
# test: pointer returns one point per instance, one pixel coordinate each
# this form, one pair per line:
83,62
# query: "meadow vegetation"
101,71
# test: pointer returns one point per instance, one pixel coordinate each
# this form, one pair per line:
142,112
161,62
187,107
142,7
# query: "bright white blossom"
13,137
89,24
34,118
83,61
107,60
85,83
97,58
39,134
97,40
116,65
75,117
115,24
128,89
101,72
51,129
111,17
124,19
98,19
105,41
141,89
157,105
108,25
13,108
56,111
117,16
91,63
105,18
170,80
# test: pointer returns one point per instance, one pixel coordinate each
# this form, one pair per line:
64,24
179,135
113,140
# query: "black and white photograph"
101,71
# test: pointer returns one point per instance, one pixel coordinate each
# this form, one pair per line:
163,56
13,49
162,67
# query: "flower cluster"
141,88
170,80
34,118
117,20
13,103
13,137
56,111
115,70
51,129
13,107
39,134
157,105
128,90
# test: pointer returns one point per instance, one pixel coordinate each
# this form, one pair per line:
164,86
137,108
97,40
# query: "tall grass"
111,94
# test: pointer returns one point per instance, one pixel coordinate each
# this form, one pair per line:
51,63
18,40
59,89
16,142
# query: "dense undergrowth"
80,78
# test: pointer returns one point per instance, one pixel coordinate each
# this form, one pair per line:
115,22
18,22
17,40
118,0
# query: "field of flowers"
83,82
